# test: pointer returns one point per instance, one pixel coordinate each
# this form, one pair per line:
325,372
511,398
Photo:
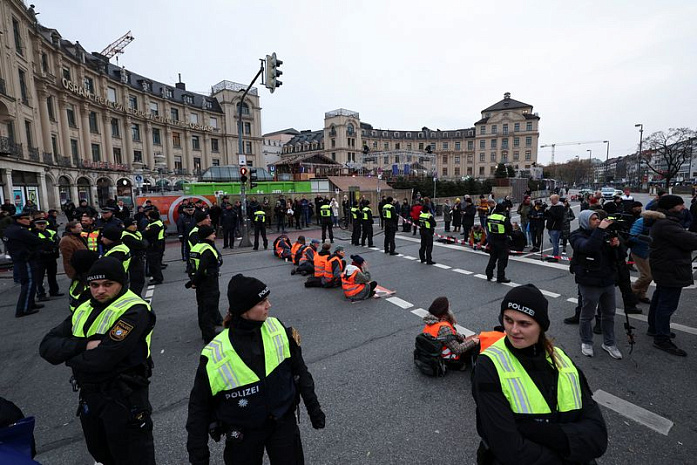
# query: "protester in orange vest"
333,268
296,250
306,260
320,261
440,323
282,247
355,280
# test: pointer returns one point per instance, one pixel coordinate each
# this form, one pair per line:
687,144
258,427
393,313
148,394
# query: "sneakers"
613,351
668,346
587,350
503,280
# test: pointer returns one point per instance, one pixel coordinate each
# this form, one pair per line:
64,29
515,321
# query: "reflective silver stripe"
560,360
271,323
104,325
502,358
575,389
227,373
278,342
216,350
80,317
520,394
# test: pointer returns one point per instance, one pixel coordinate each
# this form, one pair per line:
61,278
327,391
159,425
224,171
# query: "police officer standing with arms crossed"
390,216
325,213
259,220
106,342
367,224
204,270
247,384
499,229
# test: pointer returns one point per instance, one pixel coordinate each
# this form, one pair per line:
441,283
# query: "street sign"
272,168
243,171
139,178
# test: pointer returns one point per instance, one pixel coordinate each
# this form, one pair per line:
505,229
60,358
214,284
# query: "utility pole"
638,158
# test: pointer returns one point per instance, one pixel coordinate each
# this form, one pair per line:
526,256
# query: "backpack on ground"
427,355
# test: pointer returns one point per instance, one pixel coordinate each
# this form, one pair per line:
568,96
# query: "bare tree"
665,152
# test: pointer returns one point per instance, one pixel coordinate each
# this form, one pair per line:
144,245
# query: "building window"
135,132
396,158
528,141
492,169
117,155
214,145
168,93
51,111
96,153
137,156
247,128
132,102
528,155
214,122
494,129
66,73
445,171
482,130
188,99
482,156
193,118
445,146
470,145
470,158
154,109
89,84
516,142
457,171
195,143
528,126
386,146
115,131
516,127
396,146
23,87
493,156
493,143
18,37
408,145
482,144
27,129
176,140
458,146
375,145
516,156
333,143
457,160
481,171
248,147
504,157
504,143
445,159
94,126
73,149
245,108
174,114
469,171
421,145
54,144
505,129
209,105
178,163
156,139
334,156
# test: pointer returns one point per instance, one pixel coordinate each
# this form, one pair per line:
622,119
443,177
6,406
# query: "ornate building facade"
507,132
73,125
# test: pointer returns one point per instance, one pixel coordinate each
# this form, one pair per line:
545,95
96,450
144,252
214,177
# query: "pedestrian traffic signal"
243,179
272,72
253,178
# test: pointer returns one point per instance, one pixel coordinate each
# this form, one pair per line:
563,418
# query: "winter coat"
555,217
671,249
457,214
447,213
566,225
68,245
469,211
594,262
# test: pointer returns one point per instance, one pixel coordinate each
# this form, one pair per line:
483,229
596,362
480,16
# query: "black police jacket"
22,244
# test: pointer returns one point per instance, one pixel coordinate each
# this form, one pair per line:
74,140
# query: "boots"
573,320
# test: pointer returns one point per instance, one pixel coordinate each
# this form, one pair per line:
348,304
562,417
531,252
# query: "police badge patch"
120,330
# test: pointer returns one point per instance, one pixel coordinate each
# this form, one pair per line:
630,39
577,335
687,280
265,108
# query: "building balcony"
103,165
9,148
63,161
48,158
181,172
3,87
34,154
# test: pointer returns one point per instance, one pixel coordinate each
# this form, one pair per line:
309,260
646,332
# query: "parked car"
608,192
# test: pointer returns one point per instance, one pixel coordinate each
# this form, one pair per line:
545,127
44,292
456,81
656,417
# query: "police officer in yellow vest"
533,404
356,217
367,224
79,291
106,342
133,239
427,227
390,218
154,233
204,270
259,220
248,384
499,230
48,254
113,247
325,216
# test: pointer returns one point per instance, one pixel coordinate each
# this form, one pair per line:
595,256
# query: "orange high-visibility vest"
320,261
294,251
92,239
433,330
307,255
281,245
486,338
349,285
329,267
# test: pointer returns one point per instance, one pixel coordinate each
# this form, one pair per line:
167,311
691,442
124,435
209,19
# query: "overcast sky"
591,69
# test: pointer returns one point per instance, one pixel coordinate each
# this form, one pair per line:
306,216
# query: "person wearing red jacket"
415,213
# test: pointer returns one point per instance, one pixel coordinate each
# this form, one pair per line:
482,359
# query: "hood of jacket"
652,215
584,218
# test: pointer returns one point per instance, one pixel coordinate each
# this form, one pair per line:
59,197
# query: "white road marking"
373,248
480,276
458,270
550,294
633,412
151,287
409,257
464,331
676,326
573,300
420,312
399,302
149,293
440,265
511,284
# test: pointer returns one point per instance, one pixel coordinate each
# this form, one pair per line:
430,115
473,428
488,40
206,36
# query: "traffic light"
243,174
243,179
253,178
272,72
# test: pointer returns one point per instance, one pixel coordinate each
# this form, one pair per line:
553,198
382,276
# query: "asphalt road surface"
379,408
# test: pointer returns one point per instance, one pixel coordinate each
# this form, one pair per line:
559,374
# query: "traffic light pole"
246,224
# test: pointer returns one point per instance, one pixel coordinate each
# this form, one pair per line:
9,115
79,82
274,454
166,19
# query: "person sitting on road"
355,281
518,240
440,323
333,268
477,239
306,261
320,260
281,247
297,249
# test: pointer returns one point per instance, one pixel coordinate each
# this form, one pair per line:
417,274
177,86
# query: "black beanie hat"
83,259
204,232
669,201
244,292
200,216
113,233
500,208
529,300
129,222
107,268
439,307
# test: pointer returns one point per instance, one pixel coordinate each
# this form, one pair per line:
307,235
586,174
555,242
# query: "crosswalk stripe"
440,265
633,412
458,270
399,302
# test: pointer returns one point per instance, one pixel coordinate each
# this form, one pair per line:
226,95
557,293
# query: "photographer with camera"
620,228
594,265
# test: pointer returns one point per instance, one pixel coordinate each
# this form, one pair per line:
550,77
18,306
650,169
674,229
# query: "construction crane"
577,143
116,47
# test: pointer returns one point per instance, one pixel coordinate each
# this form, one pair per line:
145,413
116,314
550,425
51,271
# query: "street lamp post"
590,168
638,161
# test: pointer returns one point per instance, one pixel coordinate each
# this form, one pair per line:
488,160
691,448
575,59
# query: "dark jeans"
229,237
280,438
260,229
207,300
327,225
49,269
26,272
664,303
280,223
390,232
367,233
154,257
136,274
426,247
498,258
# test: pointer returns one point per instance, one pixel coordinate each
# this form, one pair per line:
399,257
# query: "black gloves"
549,435
317,418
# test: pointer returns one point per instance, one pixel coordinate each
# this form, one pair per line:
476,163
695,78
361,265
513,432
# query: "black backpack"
427,350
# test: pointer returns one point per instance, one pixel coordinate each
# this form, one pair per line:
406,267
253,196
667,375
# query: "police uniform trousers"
26,272
426,246
498,257
229,237
260,228
208,299
356,232
367,233
280,438
117,427
154,257
136,274
49,268
327,225
390,232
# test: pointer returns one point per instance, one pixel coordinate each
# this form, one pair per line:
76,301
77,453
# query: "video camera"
620,227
